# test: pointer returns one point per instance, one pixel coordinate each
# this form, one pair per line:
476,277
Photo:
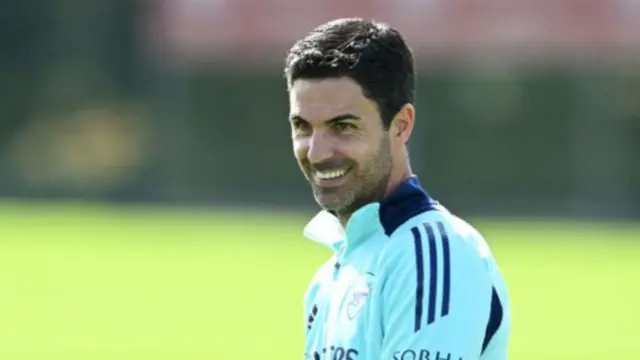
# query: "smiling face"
339,142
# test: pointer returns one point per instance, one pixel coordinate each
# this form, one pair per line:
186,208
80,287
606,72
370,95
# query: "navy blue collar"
406,201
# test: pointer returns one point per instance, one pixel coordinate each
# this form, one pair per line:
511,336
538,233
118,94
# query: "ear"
402,124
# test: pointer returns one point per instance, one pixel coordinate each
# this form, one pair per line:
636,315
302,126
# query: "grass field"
87,282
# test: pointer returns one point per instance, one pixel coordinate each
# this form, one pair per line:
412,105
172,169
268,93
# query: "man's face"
339,142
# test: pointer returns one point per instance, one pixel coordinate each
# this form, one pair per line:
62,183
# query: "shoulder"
434,236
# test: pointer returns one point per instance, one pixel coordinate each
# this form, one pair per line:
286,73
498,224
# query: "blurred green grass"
95,282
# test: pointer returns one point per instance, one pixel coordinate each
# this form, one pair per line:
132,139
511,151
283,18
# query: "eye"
300,126
343,126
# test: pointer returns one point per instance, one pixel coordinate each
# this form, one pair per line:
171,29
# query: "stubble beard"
368,184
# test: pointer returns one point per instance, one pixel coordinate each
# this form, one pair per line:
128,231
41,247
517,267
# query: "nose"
320,148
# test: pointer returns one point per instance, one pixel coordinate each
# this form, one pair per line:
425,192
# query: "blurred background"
152,208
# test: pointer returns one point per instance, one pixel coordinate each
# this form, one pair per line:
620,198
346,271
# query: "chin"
330,203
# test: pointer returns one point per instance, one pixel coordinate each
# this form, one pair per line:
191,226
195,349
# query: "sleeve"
435,299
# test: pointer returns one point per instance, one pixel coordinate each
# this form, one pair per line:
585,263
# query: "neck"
344,219
400,177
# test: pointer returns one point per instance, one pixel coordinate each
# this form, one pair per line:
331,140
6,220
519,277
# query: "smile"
332,174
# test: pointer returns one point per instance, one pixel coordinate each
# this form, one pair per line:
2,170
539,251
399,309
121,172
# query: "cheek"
372,158
355,150
300,148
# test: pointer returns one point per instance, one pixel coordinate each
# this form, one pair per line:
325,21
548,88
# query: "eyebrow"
332,120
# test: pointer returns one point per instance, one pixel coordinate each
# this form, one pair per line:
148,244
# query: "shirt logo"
358,297
355,305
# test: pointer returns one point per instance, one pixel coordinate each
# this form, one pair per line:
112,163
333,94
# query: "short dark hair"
373,54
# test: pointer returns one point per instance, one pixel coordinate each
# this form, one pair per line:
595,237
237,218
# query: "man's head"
351,88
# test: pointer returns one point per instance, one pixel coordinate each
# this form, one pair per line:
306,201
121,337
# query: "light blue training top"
407,281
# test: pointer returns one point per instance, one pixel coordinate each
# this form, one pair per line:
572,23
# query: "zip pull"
337,265
336,270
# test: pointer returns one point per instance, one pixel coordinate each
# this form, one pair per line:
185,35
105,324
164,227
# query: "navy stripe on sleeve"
446,264
495,319
417,241
433,274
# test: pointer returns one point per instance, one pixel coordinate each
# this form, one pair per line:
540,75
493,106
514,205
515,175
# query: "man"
408,280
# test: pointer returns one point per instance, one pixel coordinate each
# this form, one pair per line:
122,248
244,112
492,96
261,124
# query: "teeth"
329,175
